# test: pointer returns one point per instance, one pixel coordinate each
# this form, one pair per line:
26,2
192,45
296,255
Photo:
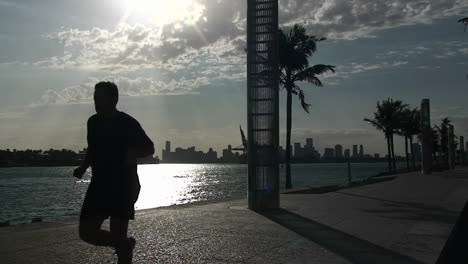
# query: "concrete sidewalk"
406,220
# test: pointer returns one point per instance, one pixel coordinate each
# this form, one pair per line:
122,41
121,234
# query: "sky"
180,66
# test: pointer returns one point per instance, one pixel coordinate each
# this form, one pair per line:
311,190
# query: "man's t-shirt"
114,177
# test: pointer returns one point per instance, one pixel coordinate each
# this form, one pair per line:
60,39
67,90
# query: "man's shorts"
100,202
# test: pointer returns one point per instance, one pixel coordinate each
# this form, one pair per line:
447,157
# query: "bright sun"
162,12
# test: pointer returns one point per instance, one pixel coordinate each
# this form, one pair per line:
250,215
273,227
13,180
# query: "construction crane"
242,147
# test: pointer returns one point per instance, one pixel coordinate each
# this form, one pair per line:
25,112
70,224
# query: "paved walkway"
407,220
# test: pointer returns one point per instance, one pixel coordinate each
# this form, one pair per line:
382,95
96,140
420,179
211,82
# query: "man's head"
106,96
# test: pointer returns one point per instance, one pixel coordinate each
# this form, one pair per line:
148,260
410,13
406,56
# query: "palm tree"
464,21
295,49
443,133
409,127
387,118
435,139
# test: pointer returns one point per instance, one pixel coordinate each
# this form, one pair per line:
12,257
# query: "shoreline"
72,219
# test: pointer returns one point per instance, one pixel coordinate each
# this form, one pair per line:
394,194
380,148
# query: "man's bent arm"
143,146
144,149
87,160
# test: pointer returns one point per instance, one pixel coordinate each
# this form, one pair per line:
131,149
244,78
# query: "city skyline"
295,146
180,67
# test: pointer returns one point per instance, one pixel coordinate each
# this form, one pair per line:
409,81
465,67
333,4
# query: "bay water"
52,193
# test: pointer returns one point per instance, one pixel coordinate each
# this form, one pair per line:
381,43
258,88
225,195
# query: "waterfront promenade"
406,220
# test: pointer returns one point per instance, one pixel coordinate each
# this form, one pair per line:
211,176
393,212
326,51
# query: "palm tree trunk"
406,153
389,153
393,151
412,152
288,138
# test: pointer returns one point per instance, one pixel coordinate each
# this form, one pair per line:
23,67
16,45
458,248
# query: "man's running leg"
91,232
123,245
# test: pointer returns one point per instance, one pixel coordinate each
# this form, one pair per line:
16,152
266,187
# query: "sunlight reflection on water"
169,184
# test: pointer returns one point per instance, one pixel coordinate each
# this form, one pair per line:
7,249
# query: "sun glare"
162,12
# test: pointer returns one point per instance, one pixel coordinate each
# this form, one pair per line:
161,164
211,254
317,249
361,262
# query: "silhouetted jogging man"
115,141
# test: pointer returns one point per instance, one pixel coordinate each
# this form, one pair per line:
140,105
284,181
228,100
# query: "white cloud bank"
213,46
132,47
360,18
127,87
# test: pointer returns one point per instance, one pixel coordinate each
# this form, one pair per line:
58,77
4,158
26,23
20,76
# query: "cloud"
113,52
347,70
452,49
436,49
129,48
358,68
11,115
132,47
359,18
445,54
354,67
139,86
11,4
213,46
125,49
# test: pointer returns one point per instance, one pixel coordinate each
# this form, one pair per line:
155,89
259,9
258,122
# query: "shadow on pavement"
409,210
455,249
347,246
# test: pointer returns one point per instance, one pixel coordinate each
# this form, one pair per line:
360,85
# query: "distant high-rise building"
168,146
338,151
355,154
376,156
346,153
306,153
309,151
166,152
212,156
361,151
329,153
297,150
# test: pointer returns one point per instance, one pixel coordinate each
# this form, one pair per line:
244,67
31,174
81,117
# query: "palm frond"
311,72
301,95
314,80
374,123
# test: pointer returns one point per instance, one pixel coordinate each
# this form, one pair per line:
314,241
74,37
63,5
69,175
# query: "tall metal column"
263,104
426,140
462,150
451,148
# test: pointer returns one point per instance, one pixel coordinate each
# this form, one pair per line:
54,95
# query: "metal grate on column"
262,103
